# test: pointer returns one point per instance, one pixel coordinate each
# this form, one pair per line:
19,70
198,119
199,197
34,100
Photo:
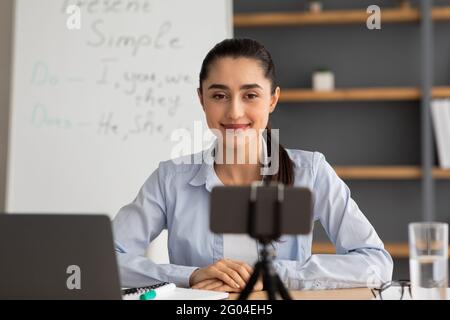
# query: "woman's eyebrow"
243,87
251,86
218,86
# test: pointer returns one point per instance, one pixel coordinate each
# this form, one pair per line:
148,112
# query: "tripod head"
254,206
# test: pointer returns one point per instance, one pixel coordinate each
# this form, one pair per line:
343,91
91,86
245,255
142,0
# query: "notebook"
175,294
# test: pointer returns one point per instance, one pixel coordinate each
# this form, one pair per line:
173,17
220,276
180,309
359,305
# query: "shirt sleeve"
360,259
135,226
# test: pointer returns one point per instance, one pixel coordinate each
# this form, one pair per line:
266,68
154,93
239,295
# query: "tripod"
271,282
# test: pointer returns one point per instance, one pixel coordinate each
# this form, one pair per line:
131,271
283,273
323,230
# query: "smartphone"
263,211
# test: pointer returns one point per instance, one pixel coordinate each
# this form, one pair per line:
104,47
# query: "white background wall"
58,168
5,68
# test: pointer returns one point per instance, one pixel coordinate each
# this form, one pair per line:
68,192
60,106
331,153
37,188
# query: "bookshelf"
413,177
397,250
360,94
387,172
333,17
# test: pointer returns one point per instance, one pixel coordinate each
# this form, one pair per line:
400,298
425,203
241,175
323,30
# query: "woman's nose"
236,109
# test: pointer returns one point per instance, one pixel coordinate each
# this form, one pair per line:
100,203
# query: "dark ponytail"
252,49
285,173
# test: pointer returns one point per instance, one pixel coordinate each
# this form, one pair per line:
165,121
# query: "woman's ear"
200,97
274,99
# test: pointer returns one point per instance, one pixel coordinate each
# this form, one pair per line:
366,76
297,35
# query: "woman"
238,92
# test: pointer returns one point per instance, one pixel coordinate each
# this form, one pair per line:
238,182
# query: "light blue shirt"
176,197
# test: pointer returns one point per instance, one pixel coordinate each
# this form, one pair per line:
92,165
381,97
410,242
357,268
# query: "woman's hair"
252,49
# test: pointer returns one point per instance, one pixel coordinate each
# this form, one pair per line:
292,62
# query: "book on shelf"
440,112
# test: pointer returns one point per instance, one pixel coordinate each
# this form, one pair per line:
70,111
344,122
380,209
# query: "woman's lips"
236,126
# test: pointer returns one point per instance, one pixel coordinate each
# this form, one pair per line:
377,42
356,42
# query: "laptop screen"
57,256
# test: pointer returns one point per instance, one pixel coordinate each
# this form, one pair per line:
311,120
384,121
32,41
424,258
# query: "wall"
6,7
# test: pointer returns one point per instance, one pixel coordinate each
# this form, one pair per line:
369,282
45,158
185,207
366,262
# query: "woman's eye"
219,96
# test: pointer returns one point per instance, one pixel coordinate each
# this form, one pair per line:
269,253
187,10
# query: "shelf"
395,15
441,92
360,94
396,249
441,14
441,174
386,172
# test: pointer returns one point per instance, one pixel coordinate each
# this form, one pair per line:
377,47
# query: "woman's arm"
135,226
138,223
360,258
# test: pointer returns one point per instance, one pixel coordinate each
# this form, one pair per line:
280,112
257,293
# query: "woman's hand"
219,285
233,274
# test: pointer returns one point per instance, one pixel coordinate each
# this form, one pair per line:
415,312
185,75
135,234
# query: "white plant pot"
315,6
323,81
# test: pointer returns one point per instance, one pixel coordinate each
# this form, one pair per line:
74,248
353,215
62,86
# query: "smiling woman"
238,92
162,39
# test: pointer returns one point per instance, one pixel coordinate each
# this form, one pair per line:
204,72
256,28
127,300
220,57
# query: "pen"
158,292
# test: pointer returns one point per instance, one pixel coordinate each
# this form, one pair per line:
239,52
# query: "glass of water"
428,260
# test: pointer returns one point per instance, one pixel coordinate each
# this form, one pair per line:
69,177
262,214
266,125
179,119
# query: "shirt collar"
207,176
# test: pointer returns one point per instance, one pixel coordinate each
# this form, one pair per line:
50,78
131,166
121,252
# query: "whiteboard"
93,108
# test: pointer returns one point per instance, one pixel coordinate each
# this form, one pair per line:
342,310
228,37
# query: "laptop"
57,256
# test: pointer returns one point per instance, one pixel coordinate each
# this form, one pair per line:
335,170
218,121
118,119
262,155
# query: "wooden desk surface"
339,294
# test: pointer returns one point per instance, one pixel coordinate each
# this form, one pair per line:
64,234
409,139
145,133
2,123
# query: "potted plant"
315,5
323,80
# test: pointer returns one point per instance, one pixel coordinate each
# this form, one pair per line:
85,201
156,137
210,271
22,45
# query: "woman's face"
237,96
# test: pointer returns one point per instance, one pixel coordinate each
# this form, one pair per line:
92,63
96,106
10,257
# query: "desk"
339,294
